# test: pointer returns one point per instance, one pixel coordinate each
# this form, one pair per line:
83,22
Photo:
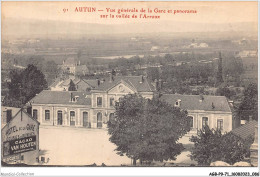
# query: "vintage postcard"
129,84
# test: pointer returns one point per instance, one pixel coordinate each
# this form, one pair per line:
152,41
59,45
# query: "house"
20,139
89,108
62,84
70,65
213,111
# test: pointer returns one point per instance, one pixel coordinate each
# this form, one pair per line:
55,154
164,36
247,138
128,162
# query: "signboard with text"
19,145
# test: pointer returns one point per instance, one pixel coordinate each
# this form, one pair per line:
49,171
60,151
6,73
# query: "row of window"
111,101
72,117
205,121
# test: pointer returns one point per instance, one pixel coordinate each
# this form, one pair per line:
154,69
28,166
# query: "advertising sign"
19,145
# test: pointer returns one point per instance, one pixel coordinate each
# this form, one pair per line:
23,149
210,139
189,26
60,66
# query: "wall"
212,119
20,127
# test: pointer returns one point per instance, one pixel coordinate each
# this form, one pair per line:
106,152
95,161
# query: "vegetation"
249,104
24,86
147,129
211,146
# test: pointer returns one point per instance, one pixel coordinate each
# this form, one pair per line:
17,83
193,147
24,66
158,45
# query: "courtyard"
81,146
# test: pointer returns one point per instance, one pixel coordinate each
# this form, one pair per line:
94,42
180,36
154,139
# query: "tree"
24,86
211,145
72,86
249,105
225,91
147,129
152,73
219,73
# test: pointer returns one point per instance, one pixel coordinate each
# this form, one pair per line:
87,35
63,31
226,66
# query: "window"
111,116
85,119
59,115
72,118
176,103
205,122
191,121
8,115
220,124
112,101
99,120
35,114
99,101
47,114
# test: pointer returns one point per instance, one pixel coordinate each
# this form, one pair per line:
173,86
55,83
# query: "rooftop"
134,82
62,97
245,130
198,102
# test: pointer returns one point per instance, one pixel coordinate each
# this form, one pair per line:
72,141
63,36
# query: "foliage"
24,86
152,73
147,129
249,105
211,145
225,91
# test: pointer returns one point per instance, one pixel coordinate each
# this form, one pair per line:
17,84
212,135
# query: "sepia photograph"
130,84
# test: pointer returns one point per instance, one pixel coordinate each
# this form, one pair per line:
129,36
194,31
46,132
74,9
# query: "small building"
20,139
70,65
80,84
213,111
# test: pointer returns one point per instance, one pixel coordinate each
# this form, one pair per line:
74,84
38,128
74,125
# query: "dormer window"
177,103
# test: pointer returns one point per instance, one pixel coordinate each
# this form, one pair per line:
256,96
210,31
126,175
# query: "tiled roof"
61,97
132,81
192,102
245,130
93,83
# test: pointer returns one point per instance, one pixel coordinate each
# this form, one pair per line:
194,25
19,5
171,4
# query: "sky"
207,12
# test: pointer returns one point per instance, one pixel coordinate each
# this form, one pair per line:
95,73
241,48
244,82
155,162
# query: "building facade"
94,108
213,111
20,139
91,109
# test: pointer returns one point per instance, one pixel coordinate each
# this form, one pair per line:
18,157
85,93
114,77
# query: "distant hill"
43,28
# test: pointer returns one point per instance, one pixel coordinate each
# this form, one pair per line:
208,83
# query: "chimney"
71,96
213,106
160,84
111,79
231,103
141,79
156,85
